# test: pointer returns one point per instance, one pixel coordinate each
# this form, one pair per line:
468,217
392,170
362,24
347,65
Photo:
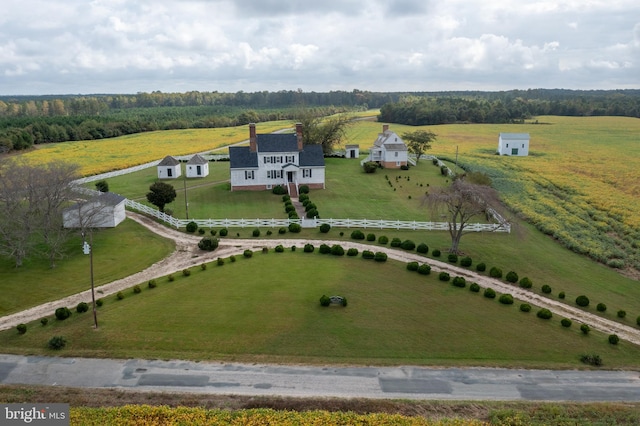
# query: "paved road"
304,381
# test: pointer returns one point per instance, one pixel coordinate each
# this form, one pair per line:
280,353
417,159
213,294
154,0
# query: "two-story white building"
513,144
276,159
388,150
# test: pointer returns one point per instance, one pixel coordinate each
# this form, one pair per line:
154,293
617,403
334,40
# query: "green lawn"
118,252
266,309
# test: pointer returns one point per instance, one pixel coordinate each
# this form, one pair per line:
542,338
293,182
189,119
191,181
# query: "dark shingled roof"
241,157
197,159
276,142
311,155
168,161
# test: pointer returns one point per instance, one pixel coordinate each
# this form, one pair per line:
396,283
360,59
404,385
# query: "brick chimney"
253,140
299,135
385,127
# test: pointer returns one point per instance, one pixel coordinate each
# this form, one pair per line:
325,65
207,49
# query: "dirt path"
187,255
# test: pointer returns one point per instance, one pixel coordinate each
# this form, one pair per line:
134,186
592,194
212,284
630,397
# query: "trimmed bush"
352,252
614,339
380,256
466,261
293,248
256,232
286,198
303,197
282,230
337,250
203,266
223,232
444,276
594,360
506,299
232,258
119,295
396,242
201,231
408,245
186,272
82,307
57,342
324,249
566,322
220,261
368,254
152,284
495,272
325,300
265,250
544,313
582,301
452,258
525,307
62,313
489,293
192,227
561,295
424,269
22,328
137,289
422,248
170,277
208,243
44,321
371,237
412,266
474,287
435,253
526,283
585,329
304,189
325,227
601,307
383,240
511,277
247,253
308,248
295,227
213,232
279,248
546,289
481,267
311,213
278,190
357,235
638,321
459,282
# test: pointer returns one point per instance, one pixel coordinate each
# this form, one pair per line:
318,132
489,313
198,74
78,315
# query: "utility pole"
87,248
186,203
456,156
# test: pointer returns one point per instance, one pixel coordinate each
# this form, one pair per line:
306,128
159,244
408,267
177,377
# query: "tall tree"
320,130
419,141
161,194
459,203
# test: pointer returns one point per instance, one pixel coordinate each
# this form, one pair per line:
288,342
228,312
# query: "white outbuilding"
513,144
169,168
105,210
197,167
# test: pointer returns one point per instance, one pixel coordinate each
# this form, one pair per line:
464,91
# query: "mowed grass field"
266,309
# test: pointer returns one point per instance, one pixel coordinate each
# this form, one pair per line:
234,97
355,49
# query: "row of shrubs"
338,250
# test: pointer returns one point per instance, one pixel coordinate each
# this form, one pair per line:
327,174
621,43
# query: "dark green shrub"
466,261
309,206
186,272
279,248
279,190
203,266
396,242
337,250
286,198
459,282
544,313
368,254
282,230
566,322
474,287
295,227
208,243
324,249
424,269
495,272
481,267
311,213
152,284
304,189
380,256
137,289
62,313
232,258
289,208
489,293
370,167
525,307
344,301
293,215
352,252
119,295
201,231
422,248
526,283
371,237
325,227
308,248
22,328
357,235
511,277
435,253
256,232
170,277
638,321
57,343
506,299
614,339
585,329
220,261
44,321
265,250
546,289
383,239
444,276
213,232
452,258
594,360
601,307
82,307
582,301
408,245
621,313
293,248
303,197
223,232
325,300
247,253
192,226
561,295
412,266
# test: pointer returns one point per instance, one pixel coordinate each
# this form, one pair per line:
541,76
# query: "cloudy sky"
129,46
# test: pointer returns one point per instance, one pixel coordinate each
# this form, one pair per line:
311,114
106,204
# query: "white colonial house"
169,168
276,159
388,150
513,144
105,210
197,167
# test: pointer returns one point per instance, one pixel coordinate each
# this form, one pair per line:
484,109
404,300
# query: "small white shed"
353,151
513,144
197,167
169,168
105,210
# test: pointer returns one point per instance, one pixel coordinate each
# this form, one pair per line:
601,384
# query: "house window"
267,160
290,159
514,151
396,153
274,174
523,145
306,173
248,174
507,145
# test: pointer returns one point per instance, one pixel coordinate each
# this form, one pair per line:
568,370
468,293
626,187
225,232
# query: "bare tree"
459,203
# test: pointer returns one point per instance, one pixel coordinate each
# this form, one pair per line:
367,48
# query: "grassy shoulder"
118,252
266,309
